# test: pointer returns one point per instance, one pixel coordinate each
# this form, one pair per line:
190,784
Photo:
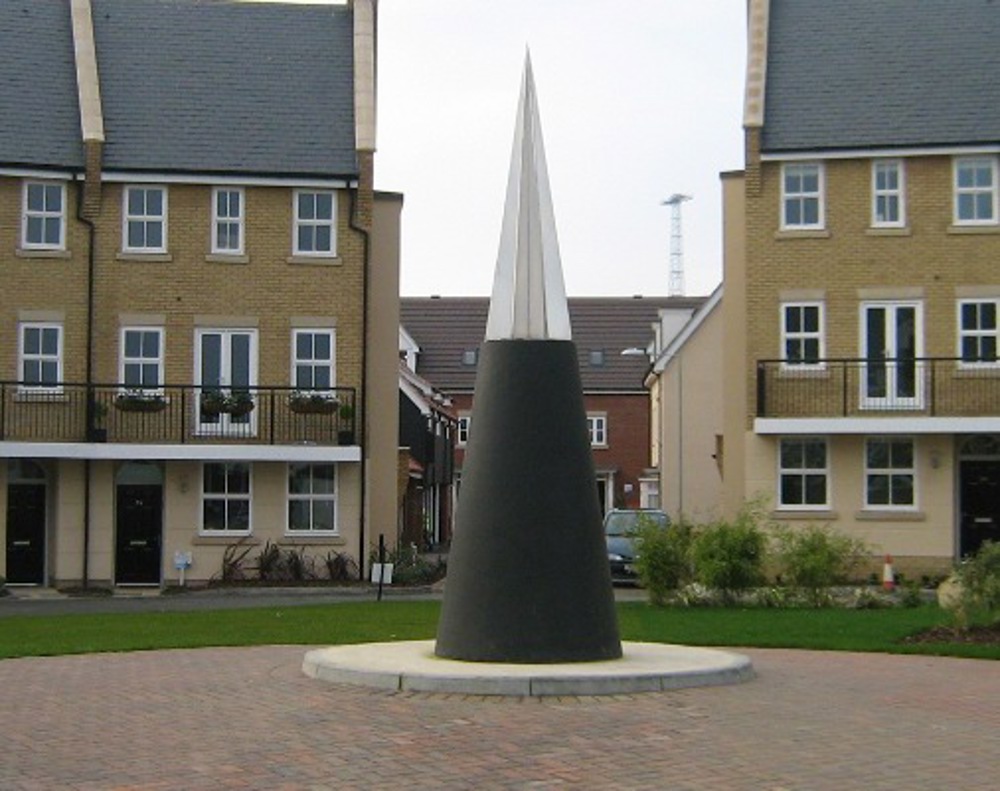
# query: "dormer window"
802,196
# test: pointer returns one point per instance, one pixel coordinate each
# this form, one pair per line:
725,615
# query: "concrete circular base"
412,666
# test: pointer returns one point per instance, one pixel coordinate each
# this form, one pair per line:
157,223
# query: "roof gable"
893,73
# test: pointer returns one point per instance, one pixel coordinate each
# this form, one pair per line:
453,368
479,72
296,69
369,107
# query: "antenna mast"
676,284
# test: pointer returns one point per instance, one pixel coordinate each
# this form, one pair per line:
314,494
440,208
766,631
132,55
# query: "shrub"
234,565
269,562
340,566
409,567
729,556
662,558
979,578
815,558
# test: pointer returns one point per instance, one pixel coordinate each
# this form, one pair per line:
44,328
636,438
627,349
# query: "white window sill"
227,258
42,252
150,257
314,260
801,233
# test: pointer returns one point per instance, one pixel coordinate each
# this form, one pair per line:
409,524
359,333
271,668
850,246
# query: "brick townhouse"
197,275
862,297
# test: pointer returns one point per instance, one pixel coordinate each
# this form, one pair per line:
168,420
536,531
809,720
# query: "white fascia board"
39,173
664,358
878,153
192,452
113,177
877,425
414,395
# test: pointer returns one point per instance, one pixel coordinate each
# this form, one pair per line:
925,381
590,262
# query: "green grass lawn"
357,622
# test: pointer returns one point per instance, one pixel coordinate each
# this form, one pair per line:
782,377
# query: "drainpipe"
361,431
89,376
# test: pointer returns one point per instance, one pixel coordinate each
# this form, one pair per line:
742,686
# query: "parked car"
620,527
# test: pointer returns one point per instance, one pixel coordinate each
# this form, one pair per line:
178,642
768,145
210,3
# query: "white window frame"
597,429
886,194
802,196
978,333
44,214
803,472
40,357
462,434
312,497
976,190
891,471
146,219
229,219
124,360
802,336
331,365
312,222
227,496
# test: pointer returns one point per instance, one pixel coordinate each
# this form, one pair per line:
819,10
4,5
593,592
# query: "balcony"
176,415
925,387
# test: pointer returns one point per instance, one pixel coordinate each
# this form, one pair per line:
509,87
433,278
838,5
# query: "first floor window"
142,357
597,425
313,362
802,333
803,473
977,332
802,196
887,193
312,498
890,473
315,223
227,220
225,498
145,220
464,421
41,356
44,219
975,190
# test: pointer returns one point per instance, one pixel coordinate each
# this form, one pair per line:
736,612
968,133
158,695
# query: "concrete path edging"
411,666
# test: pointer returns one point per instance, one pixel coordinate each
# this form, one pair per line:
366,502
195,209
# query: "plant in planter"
345,428
214,402
140,401
239,404
96,429
306,403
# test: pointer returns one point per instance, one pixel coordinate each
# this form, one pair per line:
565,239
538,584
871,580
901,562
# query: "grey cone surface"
528,577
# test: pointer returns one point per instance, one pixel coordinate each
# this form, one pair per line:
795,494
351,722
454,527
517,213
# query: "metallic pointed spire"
529,298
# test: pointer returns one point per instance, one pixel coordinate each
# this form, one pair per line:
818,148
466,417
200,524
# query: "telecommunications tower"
676,285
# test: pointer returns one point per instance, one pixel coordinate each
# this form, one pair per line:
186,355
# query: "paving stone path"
248,718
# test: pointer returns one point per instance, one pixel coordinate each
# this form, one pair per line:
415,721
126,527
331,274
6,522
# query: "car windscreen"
626,522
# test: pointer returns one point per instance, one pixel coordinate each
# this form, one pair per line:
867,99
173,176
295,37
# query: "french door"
226,374
892,343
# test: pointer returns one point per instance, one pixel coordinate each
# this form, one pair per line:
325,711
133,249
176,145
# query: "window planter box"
218,403
304,404
140,403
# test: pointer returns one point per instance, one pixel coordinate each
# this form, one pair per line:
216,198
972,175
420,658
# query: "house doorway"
26,523
138,524
979,493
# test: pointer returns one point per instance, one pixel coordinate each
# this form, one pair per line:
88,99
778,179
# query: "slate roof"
856,74
447,327
39,109
208,86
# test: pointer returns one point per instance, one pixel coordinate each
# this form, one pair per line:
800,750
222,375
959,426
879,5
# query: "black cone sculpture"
528,576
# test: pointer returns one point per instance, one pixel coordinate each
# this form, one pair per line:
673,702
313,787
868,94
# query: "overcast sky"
638,100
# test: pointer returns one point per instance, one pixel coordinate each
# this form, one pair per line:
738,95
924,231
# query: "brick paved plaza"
248,718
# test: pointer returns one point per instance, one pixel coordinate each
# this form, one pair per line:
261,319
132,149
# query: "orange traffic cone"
888,575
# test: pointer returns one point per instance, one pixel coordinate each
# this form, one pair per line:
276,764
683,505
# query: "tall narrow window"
975,191
43,222
313,362
888,207
225,498
803,473
142,358
802,196
978,332
312,498
41,352
464,423
890,473
597,425
145,220
315,223
802,334
227,220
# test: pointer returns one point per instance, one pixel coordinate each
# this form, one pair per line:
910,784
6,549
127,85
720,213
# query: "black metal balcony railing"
176,414
928,386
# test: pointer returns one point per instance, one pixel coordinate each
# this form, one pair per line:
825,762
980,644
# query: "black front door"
980,504
139,522
26,533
